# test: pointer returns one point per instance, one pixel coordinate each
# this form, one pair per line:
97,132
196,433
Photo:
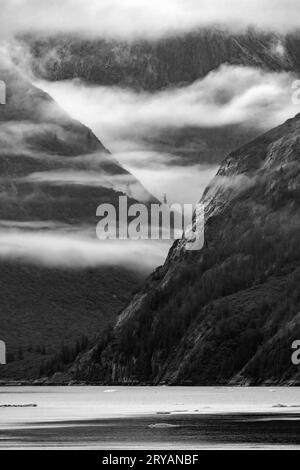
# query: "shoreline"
49,383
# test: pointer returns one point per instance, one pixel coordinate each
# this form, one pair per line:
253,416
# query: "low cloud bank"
130,123
76,251
231,95
64,177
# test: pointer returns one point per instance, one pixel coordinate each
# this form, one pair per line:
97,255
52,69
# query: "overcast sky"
129,18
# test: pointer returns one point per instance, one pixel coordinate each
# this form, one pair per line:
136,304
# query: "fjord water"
149,417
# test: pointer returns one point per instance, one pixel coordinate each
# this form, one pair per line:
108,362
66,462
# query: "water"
150,417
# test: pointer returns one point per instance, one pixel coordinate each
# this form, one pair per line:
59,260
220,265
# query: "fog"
229,95
65,247
125,120
141,18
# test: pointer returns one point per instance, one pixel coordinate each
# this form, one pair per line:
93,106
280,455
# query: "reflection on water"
148,417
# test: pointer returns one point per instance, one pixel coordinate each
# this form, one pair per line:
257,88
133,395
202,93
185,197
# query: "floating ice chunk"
163,425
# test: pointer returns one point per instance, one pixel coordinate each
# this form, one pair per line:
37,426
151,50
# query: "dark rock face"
159,64
229,312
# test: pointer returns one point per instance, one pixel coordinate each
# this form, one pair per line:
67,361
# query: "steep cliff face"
153,65
229,312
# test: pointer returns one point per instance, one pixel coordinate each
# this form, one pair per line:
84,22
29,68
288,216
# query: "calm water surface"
150,417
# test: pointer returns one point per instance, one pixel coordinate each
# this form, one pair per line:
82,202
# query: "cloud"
231,95
181,184
57,248
18,136
157,171
132,18
24,139
143,158
130,123
67,176
231,184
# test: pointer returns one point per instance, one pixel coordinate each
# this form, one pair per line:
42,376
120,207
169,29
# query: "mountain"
52,167
228,313
54,174
167,62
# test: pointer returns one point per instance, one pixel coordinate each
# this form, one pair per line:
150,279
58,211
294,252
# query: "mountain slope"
54,173
52,167
227,313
